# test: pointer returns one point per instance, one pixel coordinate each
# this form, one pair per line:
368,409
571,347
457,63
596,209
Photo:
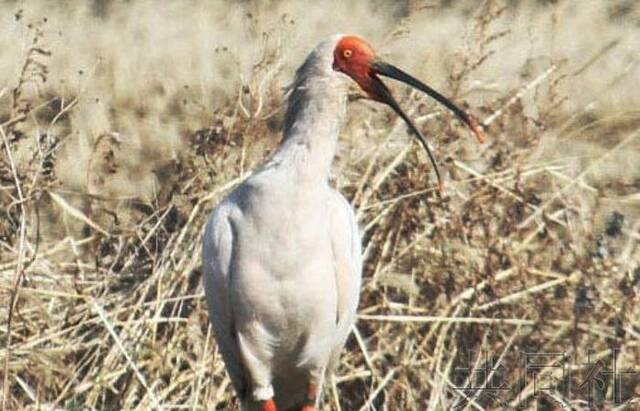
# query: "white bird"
281,253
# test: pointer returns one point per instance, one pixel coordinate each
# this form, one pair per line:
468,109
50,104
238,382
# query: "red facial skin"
353,57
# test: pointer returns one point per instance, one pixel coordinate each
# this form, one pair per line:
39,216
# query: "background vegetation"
122,123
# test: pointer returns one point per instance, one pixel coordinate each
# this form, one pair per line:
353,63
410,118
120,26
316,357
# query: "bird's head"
356,58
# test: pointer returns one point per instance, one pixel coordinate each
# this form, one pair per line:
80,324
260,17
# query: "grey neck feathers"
315,114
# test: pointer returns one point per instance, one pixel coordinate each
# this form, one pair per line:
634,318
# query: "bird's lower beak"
379,91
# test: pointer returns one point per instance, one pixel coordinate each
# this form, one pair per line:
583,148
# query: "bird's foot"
268,405
312,394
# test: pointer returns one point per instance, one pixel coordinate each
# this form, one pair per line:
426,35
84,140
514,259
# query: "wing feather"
216,265
347,250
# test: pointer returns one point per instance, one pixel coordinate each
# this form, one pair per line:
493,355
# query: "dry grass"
121,125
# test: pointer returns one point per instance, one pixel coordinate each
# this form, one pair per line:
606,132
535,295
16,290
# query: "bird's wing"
216,266
347,251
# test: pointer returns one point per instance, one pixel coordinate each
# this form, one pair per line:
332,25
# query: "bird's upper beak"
378,91
388,70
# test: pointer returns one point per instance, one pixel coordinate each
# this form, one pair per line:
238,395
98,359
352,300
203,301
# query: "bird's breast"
283,270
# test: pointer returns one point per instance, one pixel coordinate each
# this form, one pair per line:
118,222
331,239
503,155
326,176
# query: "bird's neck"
314,118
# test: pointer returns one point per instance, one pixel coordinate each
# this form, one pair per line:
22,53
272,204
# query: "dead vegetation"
109,168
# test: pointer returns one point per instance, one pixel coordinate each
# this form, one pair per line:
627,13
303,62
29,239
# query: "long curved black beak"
388,70
382,92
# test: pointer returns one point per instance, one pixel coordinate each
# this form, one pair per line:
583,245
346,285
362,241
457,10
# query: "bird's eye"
347,53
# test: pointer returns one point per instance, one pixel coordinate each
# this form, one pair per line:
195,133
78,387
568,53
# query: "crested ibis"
281,253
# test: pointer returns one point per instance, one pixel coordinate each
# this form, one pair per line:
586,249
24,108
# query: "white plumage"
281,253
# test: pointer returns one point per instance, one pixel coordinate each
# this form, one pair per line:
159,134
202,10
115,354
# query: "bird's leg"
310,401
268,405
